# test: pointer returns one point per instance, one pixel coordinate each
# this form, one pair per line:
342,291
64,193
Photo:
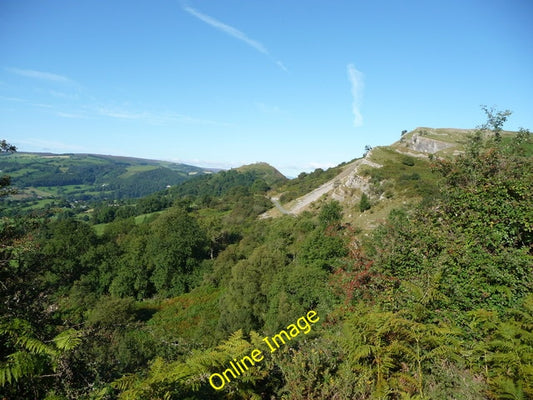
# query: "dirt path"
275,201
301,203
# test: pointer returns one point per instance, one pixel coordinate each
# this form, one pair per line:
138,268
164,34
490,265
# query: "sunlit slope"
389,176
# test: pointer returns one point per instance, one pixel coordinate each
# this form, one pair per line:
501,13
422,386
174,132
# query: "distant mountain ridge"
92,176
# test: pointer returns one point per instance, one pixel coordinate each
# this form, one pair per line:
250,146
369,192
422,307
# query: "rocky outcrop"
426,145
348,179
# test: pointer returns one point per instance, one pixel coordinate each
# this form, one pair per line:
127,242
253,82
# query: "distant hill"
257,178
264,171
84,177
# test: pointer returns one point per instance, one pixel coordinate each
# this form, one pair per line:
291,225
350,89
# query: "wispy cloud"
187,119
70,115
154,118
122,114
30,73
227,29
82,106
13,99
41,105
62,95
356,82
282,66
234,32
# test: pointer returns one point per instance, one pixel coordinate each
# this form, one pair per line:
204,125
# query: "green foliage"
26,357
256,179
330,213
409,161
176,244
505,346
435,303
314,371
63,244
190,319
110,312
322,249
244,304
495,121
364,203
5,180
189,379
476,236
294,291
397,351
399,176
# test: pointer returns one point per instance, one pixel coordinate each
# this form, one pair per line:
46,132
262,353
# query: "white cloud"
41,105
70,115
227,29
191,120
234,32
122,114
157,118
29,73
282,66
356,81
13,99
62,95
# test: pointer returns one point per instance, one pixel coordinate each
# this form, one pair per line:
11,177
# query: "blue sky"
298,84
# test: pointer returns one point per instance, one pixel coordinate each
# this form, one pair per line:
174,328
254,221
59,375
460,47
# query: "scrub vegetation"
434,303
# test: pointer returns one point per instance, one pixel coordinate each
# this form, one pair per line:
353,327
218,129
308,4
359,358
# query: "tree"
495,121
331,213
63,243
364,204
5,181
176,246
6,147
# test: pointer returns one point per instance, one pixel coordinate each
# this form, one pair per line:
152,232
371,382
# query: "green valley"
404,274
43,179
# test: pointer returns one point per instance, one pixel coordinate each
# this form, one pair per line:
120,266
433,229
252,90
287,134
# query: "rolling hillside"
42,178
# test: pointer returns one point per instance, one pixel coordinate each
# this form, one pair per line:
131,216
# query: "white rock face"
426,145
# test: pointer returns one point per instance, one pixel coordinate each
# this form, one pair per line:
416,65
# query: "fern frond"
68,339
508,390
34,346
18,365
125,383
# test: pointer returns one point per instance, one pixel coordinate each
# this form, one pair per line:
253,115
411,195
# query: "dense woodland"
435,303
